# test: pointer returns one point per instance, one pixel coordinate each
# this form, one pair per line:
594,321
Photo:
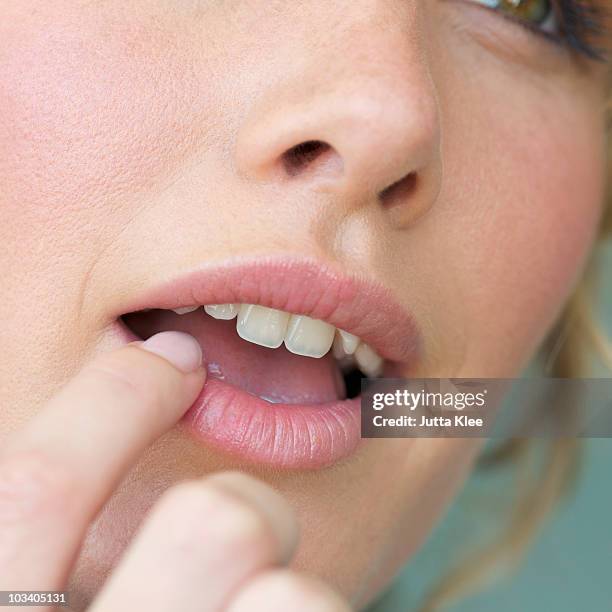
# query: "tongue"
275,375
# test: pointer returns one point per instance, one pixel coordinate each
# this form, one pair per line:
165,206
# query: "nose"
364,128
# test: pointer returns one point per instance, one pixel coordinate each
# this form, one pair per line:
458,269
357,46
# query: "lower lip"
283,435
291,436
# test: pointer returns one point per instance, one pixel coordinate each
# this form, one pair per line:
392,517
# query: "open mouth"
286,346
274,355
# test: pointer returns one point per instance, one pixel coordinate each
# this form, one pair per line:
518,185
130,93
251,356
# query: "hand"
221,543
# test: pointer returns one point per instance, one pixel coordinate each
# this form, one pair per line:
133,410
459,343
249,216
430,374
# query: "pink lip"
290,436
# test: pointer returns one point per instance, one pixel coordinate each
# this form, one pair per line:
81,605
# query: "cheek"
543,216
89,112
554,178
547,220
92,113
531,213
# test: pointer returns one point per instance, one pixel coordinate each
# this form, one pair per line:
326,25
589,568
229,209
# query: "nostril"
398,192
309,155
296,159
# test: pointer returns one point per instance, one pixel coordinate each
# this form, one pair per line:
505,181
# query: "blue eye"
577,24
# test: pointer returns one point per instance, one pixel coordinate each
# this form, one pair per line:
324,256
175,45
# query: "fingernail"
180,349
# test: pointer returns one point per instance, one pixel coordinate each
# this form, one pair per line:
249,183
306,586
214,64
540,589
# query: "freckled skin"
139,139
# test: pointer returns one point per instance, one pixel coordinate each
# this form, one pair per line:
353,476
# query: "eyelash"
579,23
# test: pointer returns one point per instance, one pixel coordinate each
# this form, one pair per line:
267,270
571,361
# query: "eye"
535,14
583,26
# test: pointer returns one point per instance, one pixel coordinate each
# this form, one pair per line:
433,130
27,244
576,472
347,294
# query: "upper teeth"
222,311
261,325
186,309
301,334
309,337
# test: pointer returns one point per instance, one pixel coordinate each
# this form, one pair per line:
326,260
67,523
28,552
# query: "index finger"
58,471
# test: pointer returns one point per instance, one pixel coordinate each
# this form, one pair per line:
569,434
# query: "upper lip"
298,286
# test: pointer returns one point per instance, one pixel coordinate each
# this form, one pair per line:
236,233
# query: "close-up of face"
426,176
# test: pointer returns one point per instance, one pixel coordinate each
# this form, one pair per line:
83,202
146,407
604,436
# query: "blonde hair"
542,475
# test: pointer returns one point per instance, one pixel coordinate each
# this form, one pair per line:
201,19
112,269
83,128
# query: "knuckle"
32,484
202,514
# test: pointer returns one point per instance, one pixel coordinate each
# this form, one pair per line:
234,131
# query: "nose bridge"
368,99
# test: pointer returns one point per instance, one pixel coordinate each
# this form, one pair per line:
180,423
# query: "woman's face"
459,165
